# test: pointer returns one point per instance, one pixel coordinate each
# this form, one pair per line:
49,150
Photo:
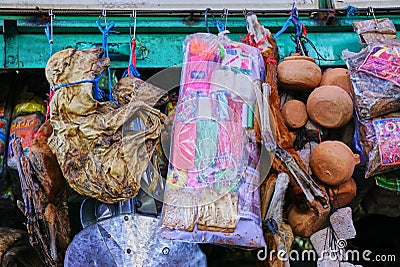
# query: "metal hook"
372,12
206,18
51,15
104,15
133,17
225,15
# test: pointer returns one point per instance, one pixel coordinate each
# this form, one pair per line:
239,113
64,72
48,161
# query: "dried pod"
299,73
339,77
306,223
330,106
294,114
333,162
343,194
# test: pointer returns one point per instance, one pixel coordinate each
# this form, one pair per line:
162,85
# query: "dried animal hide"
101,151
44,191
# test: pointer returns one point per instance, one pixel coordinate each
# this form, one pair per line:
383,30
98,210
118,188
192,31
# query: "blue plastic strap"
47,31
106,31
98,94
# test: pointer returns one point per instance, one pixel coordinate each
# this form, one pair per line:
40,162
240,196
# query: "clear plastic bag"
212,193
374,75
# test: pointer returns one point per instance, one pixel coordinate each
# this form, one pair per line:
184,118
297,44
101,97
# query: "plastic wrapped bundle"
375,79
212,186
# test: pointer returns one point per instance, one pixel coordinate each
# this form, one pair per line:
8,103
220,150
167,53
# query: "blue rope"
294,19
47,31
97,92
351,11
106,31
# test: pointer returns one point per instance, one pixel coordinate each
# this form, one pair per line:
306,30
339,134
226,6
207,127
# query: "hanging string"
219,24
132,71
49,33
97,92
301,30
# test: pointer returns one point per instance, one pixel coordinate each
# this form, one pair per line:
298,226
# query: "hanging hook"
372,12
225,15
206,18
51,15
133,18
104,15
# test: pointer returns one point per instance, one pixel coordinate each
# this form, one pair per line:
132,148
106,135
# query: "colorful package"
212,191
374,76
3,143
380,139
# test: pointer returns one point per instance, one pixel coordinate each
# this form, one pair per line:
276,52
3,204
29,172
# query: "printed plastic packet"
212,189
380,140
375,79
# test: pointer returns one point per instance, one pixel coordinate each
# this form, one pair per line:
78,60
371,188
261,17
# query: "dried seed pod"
330,106
339,77
306,223
299,73
343,194
294,114
333,162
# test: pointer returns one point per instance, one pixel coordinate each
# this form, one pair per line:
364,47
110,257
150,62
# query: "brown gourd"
299,73
294,114
333,162
339,77
330,106
343,194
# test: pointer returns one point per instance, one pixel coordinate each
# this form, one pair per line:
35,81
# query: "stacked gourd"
329,105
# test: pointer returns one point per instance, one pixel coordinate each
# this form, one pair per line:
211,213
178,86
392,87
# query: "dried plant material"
338,77
299,73
330,106
100,147
333,162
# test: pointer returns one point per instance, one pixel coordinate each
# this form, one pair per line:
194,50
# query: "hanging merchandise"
100,154
380,139
374,75
132,71
212,185
28,115
374,30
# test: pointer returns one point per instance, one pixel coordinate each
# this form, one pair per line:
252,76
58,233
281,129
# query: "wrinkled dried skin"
132,87
100,155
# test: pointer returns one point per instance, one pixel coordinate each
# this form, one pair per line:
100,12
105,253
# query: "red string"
37,134
262,40
49,98
133,56
271,60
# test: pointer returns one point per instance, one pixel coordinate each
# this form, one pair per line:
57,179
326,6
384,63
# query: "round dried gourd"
333,162
299,73
294,113
330,106
339,77
343,194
